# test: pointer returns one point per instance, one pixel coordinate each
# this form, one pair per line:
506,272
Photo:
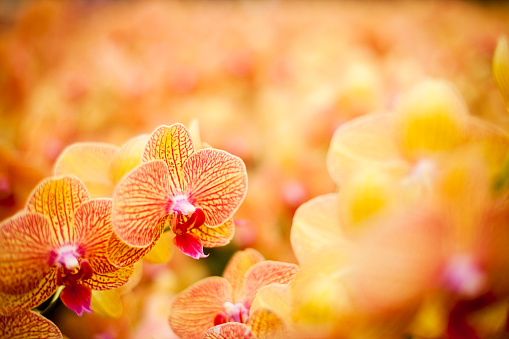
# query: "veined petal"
230,331
127,158
173,145
11,303
27,325
140,201
26,241
108,281
194,309
266,324
237,267
77,298
189,244
107,303
216,182
265,273
121,254
274,297
58,199
90,162
92,224
215,236
501,67
316,227
365,142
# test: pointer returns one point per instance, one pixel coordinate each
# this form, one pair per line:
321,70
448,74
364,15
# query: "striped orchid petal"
230,331
108,281
265,273
140,201
58,198
92,225
237,267
121,254
215,236
91,163
193,310
27,325
216,182
174,146
266,324
127,158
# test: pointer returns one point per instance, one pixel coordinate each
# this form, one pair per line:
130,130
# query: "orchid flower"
27,325
195,193
224,304
501,68
60,240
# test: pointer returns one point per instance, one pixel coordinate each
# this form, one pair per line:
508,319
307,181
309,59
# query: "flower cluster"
72,238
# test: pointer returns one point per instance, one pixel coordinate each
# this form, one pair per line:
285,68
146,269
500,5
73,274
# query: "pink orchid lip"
464,275
232,313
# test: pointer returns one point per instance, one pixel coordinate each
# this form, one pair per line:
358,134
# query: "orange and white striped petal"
174,146
216,182
193,310
90,162
121,254
215,236
265,273
58,198
26,242
11,303
108,281
140,201
127,158
266,324
230,331
92,224
237,267
27,325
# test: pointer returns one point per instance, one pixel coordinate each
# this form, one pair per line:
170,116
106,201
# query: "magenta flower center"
71,266
464,276
232,313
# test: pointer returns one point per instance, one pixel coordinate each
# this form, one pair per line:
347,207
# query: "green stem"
53,301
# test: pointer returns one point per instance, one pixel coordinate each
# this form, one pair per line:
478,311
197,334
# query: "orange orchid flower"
27,325
60,239
224,304
196,192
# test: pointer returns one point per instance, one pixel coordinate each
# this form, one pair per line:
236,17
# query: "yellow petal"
173,145
27,325
230,331
237,267
58,198
215,236
127,158
162,251
316,227
274,297
501,67
193,310
431,117
365,142
266,324
90,162
107,303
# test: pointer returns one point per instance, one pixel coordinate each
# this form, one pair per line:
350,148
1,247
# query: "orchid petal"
265,273
237,267
26,242
107,303
121,254
194,309
215,236
365,142
28,325
173,145
216,182
266,324
230,331
140,201
276,298
501,67
127,158
189,244
162,251
90,162
133,281
58,199
77,298
316,227
11,303
92,224
108,281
